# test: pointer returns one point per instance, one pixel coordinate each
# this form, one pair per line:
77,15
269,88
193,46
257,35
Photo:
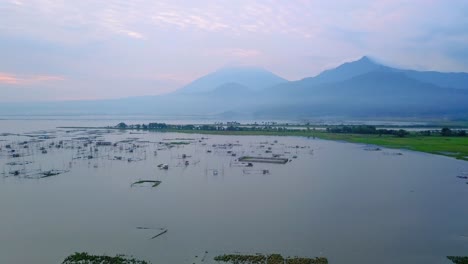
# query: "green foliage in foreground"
458,260
85,258
269,259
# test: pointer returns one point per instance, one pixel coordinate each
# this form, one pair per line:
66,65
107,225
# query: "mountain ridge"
361,87
252,77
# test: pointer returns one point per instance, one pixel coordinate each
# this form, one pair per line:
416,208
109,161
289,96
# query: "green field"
456,147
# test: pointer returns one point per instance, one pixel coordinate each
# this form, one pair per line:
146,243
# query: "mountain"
365,65
346,71
458,80
231,89
253,78
361,88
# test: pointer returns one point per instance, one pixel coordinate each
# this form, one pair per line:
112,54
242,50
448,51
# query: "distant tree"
122,125
446,132
425,132
461,133
401,133
157,125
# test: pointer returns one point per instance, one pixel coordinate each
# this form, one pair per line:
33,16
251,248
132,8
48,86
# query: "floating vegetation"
263,160
18,163
145,182
463,175
268,259
50,173
134,159
33,174
393,153
458,259
15,173
372,149
298,260
163,166
85,258
190,139
178,143
248,259
275,259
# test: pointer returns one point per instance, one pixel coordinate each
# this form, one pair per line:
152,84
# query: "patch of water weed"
85,258
458,259
268,259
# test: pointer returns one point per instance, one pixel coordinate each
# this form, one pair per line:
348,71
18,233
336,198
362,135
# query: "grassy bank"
456,147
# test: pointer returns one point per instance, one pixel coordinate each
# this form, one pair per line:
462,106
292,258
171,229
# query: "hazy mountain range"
361,88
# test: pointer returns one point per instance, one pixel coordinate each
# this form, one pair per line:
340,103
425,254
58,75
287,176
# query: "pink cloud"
15,79
8,78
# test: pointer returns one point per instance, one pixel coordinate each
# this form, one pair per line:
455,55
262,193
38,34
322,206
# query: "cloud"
132,34
130,43
15,79
17,2
235,52
8,78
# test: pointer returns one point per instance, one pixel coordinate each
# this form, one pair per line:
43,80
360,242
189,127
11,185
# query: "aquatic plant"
458,259
297,260
268,259
85,258
237,259
178,143
275,259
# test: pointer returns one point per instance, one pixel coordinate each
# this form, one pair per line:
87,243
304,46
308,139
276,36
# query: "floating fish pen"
163,166
159,234
103,143
146,182
264,171
264,160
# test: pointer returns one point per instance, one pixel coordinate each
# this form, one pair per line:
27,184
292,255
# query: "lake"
348,202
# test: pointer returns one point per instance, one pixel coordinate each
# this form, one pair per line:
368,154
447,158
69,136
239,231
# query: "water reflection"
348,202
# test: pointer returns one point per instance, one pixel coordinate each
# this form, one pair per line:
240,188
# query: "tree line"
357,129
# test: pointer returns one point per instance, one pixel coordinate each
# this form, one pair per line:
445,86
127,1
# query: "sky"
75,50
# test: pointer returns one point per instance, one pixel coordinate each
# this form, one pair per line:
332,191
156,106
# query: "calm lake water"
339,200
